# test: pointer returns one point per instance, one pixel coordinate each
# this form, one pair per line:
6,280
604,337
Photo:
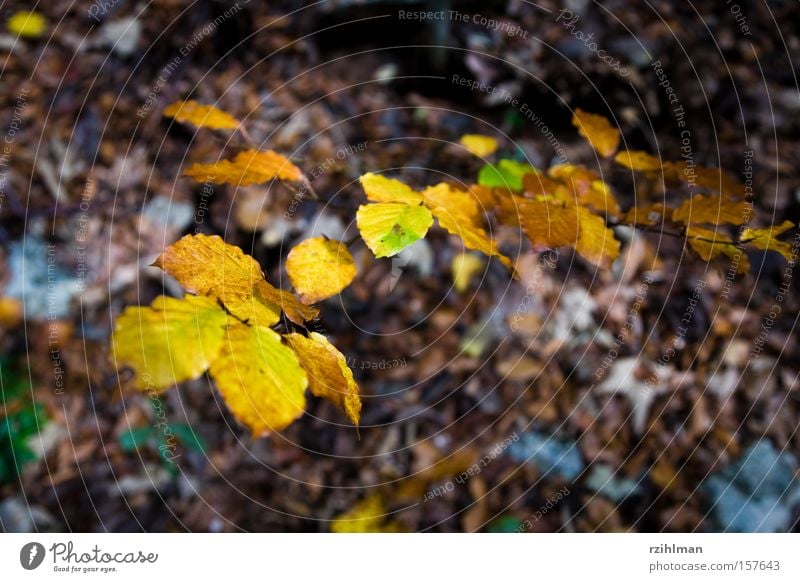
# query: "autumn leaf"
598,131
645,215
260,379
382,189
388,228
765,239
596,242
200,115
367,516
585,187
702,209
464,267
636,160
709,244
548,223
505,174
248,167
171,341
479,145
320,268
458,213
207,265
329,376
27,24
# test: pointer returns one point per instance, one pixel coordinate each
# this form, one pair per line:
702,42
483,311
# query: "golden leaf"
367,516
636,160
582,186
329,376
602,136
709,244
259,378
207,265
388,228
479,145
548,223
711,210
382,189
765,239
645,215
200,115
596,242
459,214
320,268
248,167
171,341
464,267
296,311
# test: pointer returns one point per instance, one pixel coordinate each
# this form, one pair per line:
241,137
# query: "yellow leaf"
479,145
711,210
388,228
248,167
367,516
320,268
27,24
171,341
603,137
292,307
765,239
464,267
382,189
596,242
329,376
709,244
207,265
260,379
459,214
200,115
636,160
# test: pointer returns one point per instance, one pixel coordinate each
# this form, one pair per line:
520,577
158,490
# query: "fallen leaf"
329,376
598,131
200,115
259,378
320,268
479,145
388,228
171,341
248,167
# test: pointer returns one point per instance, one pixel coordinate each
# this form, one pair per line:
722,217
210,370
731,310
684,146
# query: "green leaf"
505,174
190,439
135,438
388,228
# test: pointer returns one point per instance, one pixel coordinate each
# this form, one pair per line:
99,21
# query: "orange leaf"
646,215
248,167
711,210
636,160
201,115
596,242
602,136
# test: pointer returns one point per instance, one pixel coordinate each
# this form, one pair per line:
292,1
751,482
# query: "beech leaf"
248,167
766,239
320,268
598,131
382,189
388,228
200,115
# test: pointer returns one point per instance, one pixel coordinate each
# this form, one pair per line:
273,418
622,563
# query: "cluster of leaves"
20,420
231,323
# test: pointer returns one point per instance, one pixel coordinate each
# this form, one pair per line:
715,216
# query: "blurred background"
467,424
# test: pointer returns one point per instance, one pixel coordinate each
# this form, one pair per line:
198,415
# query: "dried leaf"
388,228
171,341
207,265
598,131
382,189
329,376
711,210
320,268
200,115
766,239
248,167
636,160
479,145
260,379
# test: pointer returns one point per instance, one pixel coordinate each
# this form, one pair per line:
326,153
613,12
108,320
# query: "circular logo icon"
31,555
